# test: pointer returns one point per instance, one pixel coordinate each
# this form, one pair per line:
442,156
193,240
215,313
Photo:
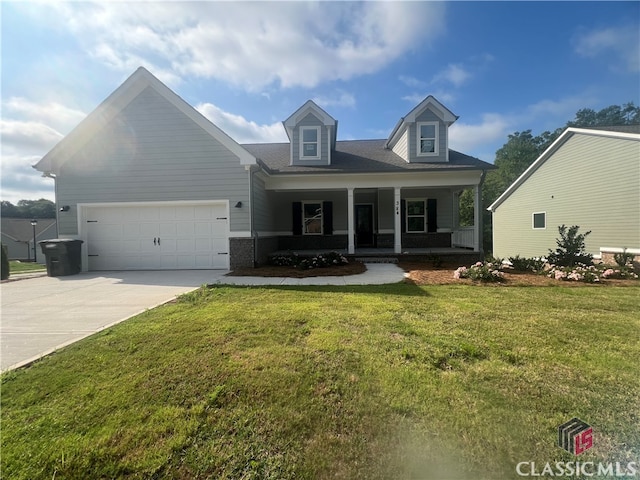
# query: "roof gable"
446,115
114,104
309,107
555,146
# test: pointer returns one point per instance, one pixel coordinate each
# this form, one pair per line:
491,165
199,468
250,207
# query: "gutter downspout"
55,193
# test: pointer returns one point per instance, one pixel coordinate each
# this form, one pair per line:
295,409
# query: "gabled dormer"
423,134
312,135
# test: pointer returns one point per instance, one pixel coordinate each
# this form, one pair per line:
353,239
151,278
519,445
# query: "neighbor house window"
416,216
540,220
312,218
427,138
310,143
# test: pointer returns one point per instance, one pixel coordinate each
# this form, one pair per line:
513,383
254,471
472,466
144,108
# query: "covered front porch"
411,218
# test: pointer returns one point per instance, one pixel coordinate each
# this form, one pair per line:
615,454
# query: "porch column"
477,218
351,222
397,225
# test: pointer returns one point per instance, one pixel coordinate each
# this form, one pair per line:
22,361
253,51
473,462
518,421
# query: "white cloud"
250,45
27,131
21,182
455,74
412,82
441,96
27,136
561,110
340,99
619,44
55,115
241,129
467,138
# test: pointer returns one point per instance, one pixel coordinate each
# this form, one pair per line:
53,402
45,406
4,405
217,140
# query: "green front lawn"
24,267
391,382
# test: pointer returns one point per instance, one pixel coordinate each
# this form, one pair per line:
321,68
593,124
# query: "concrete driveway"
41,315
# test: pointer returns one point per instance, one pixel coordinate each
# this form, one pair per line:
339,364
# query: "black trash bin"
62,256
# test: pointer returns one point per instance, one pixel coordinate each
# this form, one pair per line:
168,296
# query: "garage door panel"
186,229
190,236
168,229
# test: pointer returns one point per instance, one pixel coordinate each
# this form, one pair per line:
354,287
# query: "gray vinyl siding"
428,116
263,211
589,181
152,152
310,120
400,148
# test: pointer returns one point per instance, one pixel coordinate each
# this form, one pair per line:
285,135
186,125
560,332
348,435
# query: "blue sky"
500,66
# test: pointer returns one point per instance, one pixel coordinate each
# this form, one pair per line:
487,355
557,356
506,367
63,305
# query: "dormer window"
309,143
427,139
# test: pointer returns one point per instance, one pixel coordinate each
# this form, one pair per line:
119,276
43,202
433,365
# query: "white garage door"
156,237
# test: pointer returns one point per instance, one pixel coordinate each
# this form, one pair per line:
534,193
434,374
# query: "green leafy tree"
42,208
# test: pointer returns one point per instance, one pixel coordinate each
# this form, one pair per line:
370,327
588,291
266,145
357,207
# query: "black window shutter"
327,218
296,212
432,215
403,216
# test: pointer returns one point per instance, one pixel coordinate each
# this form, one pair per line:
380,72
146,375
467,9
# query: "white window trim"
436,149
318,143
533,222
406,215
307,202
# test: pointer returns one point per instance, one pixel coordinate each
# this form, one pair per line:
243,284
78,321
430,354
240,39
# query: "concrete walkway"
43,314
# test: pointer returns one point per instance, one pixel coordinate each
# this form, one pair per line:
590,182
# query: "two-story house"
149,183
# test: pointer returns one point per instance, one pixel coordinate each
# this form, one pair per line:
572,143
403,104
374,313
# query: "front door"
364,225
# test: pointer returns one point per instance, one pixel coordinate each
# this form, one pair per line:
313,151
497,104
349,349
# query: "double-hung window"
312,218
309,143
427,135
416,216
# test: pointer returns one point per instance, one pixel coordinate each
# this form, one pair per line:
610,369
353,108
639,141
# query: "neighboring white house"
587,177
147,182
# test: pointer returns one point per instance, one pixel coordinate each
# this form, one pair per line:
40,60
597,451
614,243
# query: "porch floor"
381,252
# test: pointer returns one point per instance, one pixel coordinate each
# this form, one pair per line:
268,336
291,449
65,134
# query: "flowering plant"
323,260
481,271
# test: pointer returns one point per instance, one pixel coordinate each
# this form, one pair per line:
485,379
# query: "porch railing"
463,237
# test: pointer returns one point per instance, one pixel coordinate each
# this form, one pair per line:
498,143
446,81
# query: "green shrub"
4,274
571,248
288,260
522,264
321,260
624,259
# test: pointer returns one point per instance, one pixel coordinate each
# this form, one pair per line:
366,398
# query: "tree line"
523,148
42,208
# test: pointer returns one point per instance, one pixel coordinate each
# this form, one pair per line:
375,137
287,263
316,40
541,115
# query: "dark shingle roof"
21,230
617,128
357,156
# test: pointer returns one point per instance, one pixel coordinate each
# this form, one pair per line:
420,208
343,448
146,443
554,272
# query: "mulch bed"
352,268
424,274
